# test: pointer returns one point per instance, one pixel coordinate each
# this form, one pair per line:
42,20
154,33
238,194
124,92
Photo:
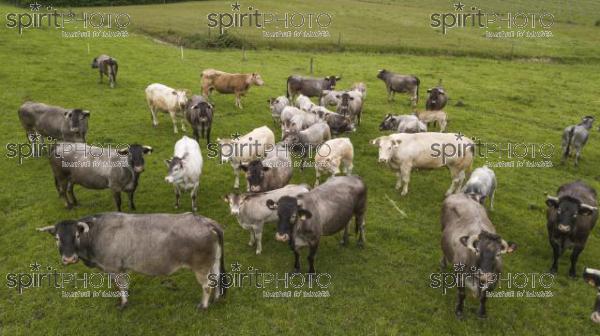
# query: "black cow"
199,113
437,99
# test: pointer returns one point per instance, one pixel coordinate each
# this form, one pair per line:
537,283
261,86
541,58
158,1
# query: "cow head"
331,81
180,97
205,109
587,122
339,123
291,136
435,93
277,104
287,212
255,174
135,156
567,210
176,169
235,202
77,119
592,277
67,234
488,249
381,73
344,105
387,146
256,79
95,63
388,123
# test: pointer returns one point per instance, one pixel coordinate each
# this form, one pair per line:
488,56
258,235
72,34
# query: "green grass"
381,289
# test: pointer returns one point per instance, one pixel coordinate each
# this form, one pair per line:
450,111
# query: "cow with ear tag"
185,168
470,243
571,216
324,211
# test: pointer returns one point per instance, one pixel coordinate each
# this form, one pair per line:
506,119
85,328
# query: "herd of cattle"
159,244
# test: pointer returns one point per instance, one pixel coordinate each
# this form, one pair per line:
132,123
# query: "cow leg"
443,264
62,192
492,194
317,175
398,181
100,72
117,197
153,115
555,255
202,279
71,194
131,202
123,287
574,256
236,172
208,133
577,155
312,251
258,238
238,100
194,196
252,238
348,167
296,261
344,240
177,196
460,302
196,135
405,175
182,124
390,94
481,313
359,222
174,120
458,178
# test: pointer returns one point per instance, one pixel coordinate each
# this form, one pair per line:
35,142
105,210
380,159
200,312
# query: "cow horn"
552,198
84,226
46,228
588,207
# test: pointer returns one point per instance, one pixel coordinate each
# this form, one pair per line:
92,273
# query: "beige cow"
224,82
434,116
331,155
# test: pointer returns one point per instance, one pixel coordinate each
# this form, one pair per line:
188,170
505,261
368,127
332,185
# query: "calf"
304,141
199,113
592,276
337,122
252,213
53,121
150,244
107,66
274,172
481,185
437,99
400,83
310,87
224,82
304,103
350,105
97,168
276,105
245,149
439,117
571,216
185,168
324,211
404,151
406,123
163,98
329,98
470,243
332,155
576,136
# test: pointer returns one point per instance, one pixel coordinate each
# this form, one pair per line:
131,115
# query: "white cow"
163,98
405,151
304,103
185,168
277,105
331,155
481,185
245,149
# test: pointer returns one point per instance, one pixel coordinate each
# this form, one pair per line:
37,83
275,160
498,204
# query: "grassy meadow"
381,289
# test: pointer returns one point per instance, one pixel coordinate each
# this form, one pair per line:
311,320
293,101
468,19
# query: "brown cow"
225,82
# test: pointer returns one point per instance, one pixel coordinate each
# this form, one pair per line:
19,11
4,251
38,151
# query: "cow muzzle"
282,237
564,228
486,277
169,179
138,169
255,188
595,316
70,260
383,160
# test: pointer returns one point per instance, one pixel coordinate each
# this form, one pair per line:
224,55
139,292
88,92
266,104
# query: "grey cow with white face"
400,83
324,211
150,244
471,244
575,137
54,122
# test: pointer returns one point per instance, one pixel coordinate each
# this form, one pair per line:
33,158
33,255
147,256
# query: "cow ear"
147,149
67,114
174,93
50,229
168,163
83,227
508,247
396,142
85,113
375,142
123,151
244,168
271,204
586,210
225,198
552,202
338,96
265,168
304,214
428,90
470,242
351,98
338,78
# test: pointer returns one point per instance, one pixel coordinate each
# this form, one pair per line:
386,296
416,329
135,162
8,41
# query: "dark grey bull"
97,168
310,87
199,113
436,99
107,66
575,137
401,84
470,243
53,121
571,216
324,211
151,244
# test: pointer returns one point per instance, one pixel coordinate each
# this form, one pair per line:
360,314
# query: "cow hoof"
201,307
176,206
553,270
459,315
258,252
403,193
482,316
121,306
344,242
194,209
360,244
572,275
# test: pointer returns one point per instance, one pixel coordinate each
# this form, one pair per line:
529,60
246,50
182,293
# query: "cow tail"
569,137
287,88
222,271
418,84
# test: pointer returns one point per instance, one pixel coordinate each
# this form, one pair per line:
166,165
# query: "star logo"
459,6
35,267
236,267
459,136
35,6
235,6
459,267
235,136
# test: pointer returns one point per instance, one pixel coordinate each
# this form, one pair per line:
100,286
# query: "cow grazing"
224,82
431,117
252,213
97,168
304,103
400,83
53,121
436,99
276,105
592,277
324,211
310,87
150,244
337,122
360,87
404,151
185,168
481,185
304,141
273,172
199,113
107,66
332,155
575,137
329,98
470,243
245,149
406,123
571,216
163,98
350,105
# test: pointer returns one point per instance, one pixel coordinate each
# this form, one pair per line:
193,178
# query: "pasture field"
384,288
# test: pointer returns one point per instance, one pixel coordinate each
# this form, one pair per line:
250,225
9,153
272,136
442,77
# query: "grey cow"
350,105
406,123
481,185
472,246
575,137
199,113
310,87
97,168
107,66
151,244
436,99
400,83
273,172
324,211
53,121
305,141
